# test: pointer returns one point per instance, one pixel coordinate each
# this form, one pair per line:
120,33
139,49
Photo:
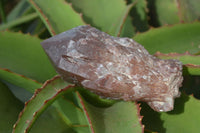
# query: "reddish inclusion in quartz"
113,67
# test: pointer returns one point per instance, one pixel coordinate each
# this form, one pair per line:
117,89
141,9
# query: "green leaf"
139,15
2,11
51,121
10,106
171,11
18,10
24,55
72,114
190,62
18,21
178,38
127,29
38,28
109,16
122,117
57,15
19,80
167,11
41,99
189,10
95,99
184,118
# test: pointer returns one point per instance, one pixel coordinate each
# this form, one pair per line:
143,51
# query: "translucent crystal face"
113,67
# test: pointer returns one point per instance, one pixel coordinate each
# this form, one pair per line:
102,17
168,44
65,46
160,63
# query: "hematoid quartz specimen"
114,67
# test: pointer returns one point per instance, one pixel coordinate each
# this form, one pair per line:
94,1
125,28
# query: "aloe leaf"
57,15
10,106
167,11
139,15
38,28
178,38
118,118
20,17
72,114
126,27
65,109
185,114
171,11
127,30
24,55
19,80
2,11
109,16
41,99
95,99
190,62
51,121
179,11
185,58
189,10
18,21
136,20
18,10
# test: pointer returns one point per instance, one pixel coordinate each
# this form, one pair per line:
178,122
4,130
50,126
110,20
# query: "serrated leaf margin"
41,109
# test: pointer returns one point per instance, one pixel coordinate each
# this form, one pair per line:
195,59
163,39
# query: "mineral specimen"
113,67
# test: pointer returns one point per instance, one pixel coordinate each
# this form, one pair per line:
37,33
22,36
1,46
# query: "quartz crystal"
114,67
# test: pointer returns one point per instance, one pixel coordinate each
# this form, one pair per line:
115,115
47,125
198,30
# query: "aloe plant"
33,98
